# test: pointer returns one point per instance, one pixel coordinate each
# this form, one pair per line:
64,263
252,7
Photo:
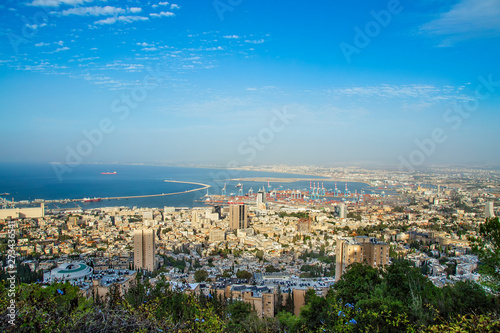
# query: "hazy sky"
250,81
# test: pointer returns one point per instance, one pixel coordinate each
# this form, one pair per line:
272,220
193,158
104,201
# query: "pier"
203,187
5,203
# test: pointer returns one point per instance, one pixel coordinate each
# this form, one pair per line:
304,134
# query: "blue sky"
210,81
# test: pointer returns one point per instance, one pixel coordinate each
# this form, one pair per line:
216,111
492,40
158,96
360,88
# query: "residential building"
360,249
261,200
144,249
238,217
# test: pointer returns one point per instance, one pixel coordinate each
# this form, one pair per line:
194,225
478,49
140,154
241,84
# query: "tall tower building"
342,211
489,210
359,249
144,249
261,199
238,217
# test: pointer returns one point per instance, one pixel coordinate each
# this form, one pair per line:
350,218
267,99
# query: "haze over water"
38,181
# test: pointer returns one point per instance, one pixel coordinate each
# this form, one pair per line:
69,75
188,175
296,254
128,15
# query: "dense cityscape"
265,249
253,166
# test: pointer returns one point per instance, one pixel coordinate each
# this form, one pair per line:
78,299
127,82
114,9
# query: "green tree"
243,274
200,275
278,306
289,303
467,323
271,269
464,298
487,246
315,312
40,309
238,311
289,322
358,282
405,283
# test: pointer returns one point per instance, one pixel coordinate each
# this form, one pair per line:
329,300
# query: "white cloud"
87,59
60,43
163,3
262,88
135,10
93,11
386,90
259,41
232,37
467,19
162,14
41,44
174,6
57,3
59,49
134,68
124,19
422,92
218,48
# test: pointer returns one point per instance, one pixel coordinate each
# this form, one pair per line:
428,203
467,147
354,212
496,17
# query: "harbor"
10,204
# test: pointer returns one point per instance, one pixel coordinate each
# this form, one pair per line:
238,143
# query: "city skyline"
237,82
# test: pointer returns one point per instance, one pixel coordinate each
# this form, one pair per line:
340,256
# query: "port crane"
361,196
337,192
347,192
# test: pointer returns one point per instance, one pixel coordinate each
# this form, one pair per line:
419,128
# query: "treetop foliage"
365,299
487,246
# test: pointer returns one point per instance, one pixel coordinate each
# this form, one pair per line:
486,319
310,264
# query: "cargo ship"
108,173
91,199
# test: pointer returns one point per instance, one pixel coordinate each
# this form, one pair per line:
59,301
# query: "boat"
109,173
91,199
239,185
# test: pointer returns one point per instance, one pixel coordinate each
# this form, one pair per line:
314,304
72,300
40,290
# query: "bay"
39,181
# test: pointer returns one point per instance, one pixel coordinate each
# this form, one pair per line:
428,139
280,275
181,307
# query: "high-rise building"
360,249
238,218
73,221
342,211
261,199
489,210
144,249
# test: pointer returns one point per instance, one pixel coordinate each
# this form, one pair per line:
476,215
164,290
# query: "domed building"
72,272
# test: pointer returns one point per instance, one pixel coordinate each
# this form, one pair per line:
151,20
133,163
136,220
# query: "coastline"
293,180
203,187
275,176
